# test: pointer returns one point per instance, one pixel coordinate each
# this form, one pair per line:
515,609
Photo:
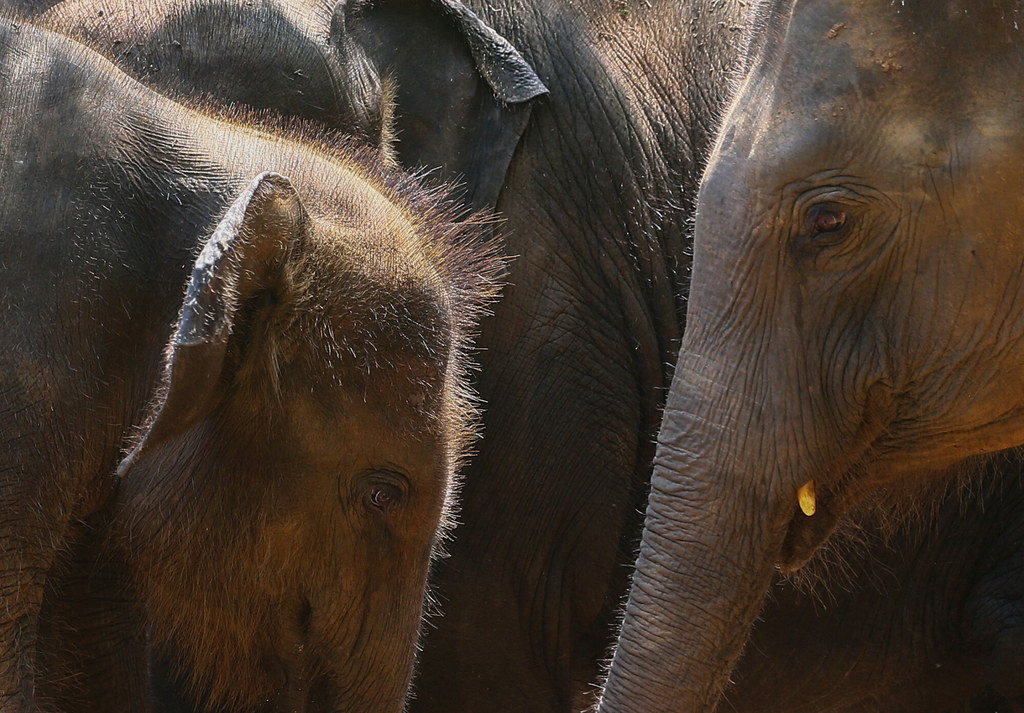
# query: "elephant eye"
826,219
379,491
383,496
384,492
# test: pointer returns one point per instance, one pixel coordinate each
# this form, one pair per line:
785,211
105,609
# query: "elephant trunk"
711,538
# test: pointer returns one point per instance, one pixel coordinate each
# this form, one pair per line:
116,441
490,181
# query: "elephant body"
590,145
576,356
429,77
254,56
855,329
275,332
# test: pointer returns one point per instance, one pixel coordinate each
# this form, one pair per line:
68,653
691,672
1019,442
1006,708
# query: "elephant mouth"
844,483
806,533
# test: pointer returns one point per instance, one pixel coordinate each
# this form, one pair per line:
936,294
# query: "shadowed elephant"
918,613
855,322
242,356
428,76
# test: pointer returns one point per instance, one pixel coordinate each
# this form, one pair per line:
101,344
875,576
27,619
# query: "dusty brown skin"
293,424
855,315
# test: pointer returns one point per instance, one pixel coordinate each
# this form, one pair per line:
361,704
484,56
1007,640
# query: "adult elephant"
596,181
855,320
453,90
576,358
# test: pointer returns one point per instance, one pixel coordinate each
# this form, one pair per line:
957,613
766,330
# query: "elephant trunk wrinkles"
709,545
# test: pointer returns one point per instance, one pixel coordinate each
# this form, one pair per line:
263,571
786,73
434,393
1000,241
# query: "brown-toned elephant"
856,320
235,361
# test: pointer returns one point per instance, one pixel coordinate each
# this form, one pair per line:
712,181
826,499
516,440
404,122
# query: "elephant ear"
509,75
463,94
244,258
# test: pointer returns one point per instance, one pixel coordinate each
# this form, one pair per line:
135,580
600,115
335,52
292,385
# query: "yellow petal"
806,498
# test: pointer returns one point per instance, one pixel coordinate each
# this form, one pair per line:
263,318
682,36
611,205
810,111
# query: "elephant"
429,75
854,322
590,147
576,357
238,361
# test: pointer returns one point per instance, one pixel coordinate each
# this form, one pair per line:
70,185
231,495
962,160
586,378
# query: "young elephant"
292,425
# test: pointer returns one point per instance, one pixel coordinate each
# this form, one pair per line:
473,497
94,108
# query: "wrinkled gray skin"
292,413
855,318
264,55
575,360
596,182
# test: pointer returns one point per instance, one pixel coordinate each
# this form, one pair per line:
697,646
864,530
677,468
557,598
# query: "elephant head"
856,314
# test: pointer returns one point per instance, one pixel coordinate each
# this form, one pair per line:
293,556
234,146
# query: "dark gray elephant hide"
578,353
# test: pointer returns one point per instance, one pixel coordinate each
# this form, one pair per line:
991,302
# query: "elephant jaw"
843,482
821,502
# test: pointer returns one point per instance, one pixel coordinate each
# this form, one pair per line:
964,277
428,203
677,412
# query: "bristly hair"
461,251
195,533
465,251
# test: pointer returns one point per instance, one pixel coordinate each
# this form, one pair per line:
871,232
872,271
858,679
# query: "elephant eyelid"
384,489
824,227
379,490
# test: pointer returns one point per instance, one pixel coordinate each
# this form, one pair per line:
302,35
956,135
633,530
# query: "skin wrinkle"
166,44
590,88
560,150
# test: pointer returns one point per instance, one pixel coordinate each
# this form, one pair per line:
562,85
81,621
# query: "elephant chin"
806,533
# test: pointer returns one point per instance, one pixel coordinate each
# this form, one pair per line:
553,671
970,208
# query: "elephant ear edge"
244,256
427,51
510,76
514,83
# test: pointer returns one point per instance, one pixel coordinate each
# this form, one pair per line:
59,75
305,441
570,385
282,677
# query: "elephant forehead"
862,84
